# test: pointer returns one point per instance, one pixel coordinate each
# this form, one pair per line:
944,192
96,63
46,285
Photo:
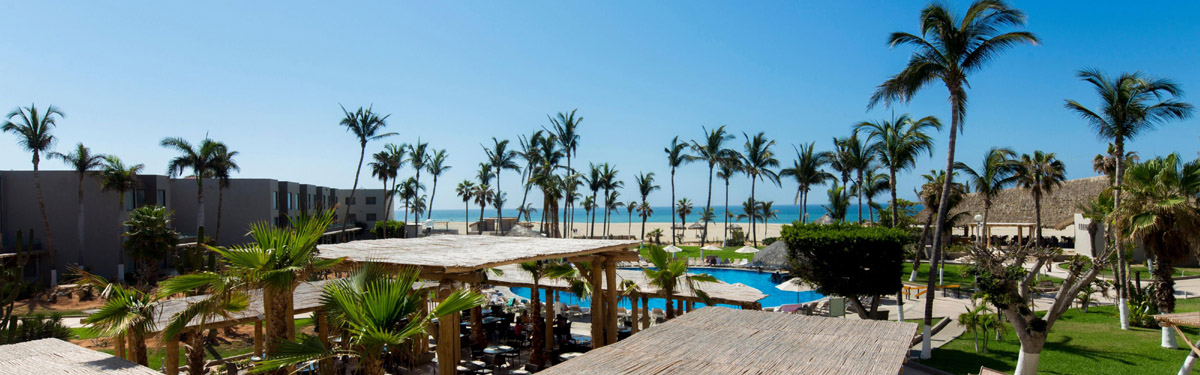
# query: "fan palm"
898,143
33,129
127,314
366,126
83,161
222,168
1131,104
437,167
1161,212
948,49
501,158
1040,173
758,161
668,275
726,171
676,157
997,173
807,172
466,191
713,152
537,271
377,312
121,178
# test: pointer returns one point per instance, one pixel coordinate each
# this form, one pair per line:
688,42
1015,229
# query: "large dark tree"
848,260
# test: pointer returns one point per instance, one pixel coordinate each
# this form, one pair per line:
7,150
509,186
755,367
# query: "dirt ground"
64,305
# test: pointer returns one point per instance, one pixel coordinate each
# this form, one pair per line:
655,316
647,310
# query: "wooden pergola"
1176,320
54,356
719,340
453,259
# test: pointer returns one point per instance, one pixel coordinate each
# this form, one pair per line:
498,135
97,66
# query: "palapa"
54,356
463,253
720,292
1015,205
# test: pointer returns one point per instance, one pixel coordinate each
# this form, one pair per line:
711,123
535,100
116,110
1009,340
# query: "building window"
129,203
141,197
370,217
370,200
350,201
162,197
274,200
292,201
353,218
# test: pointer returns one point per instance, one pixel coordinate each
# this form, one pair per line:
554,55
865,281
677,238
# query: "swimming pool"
761,281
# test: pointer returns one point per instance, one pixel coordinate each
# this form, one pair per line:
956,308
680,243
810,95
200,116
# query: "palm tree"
381,168
898,143
530,153
437,166
1040,173
713,152
766,212
1106,163
366,126
418,157
645,184
683,208
121,178
931,195
376,311
223,299
949,49
630,207
609,182
565,132
466,191
668,275
483,195
858,158
1161,213
726,171
149,239
221,170
595,182
807,172
397,157
614,205
758,161
33,134
997,173
589,205
1130,104
839,160
419,206
82,160
675,158
537,271
839,202
127,314
526,211
501,158
200,159
644,211
874,184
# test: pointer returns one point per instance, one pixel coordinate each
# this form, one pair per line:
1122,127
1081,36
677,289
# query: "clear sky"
267,78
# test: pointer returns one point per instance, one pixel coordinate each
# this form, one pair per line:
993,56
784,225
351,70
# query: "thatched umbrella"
774,255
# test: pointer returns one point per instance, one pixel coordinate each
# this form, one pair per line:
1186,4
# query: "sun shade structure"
746,250
740,295
672,249
718,340
455,259
1015,205
1176,320
54,356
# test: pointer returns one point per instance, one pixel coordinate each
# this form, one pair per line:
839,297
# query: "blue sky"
267,78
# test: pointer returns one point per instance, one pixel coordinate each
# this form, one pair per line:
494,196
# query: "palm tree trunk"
753,205
707,206
1122,266
592,230
892,187
672,210
467,217
725,240
670,308
220,207
79,223
199,201
499,215
1164,294
1037,215
382,229
195,353
943,209
37,181
432,195
354,188
537,346
860,195
482,207
643,225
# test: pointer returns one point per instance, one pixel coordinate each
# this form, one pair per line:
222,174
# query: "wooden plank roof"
464,253
718,340
54,356
720,292
1186,319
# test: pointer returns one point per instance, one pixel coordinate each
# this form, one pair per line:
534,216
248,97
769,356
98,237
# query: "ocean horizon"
662,214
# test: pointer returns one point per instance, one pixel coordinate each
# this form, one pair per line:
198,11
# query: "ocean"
662,214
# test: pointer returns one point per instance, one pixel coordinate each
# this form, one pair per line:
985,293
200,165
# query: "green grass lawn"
952,275
1179,271
1079,342
725,253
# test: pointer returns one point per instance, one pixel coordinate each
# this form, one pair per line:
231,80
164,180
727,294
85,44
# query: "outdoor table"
491,319
569,356
498,349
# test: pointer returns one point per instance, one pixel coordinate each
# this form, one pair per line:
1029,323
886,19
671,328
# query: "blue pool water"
760,281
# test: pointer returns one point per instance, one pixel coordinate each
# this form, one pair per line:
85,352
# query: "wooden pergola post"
633,314
421,342
645,312
549,319
1019,229
171,358
326,365
258,337
447,348
610,270
597,304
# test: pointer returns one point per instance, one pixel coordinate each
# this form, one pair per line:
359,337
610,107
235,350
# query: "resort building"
95,244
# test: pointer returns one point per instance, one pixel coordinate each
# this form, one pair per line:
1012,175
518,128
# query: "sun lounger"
790,308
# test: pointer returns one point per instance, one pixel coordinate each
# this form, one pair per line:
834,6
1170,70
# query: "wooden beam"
447,346
171,357
610,270
325,365
583,259
597,305
474,277
633,314
258,338
549,320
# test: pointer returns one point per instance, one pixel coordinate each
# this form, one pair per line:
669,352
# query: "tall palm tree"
859,158
33,130
1161,213
930,195
366,126
1106,163
566,133
614,205
683,208
766,212
409,191
726,171
630,207
437,166
645,185
381,168
839,202
397,158
530,153
595,182
200,159
466,191
998,172
121,178
501,158
874,184
83,161
483,195
898,143
759,163
713,152
1130,104
675,158
1040,173
807,172
644,211
589,205
609,182
839,160
223,167
948,49
668,275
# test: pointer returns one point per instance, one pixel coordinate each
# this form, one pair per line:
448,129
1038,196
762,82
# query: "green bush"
736,238
36,327
395,229
770,240
846,259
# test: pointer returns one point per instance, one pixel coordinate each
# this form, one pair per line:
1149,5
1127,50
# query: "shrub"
36,327
736,237
770,240
395,229
846,259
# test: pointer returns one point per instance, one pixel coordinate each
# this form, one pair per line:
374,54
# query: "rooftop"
54,356
719,292
464,253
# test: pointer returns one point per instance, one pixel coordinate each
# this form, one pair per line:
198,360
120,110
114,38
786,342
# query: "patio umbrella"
708,247
795,285
672,249
746,250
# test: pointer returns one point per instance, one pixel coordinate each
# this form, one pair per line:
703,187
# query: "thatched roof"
719,292
1188,319
717,340
462,253
774,255
54,356
1015,205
